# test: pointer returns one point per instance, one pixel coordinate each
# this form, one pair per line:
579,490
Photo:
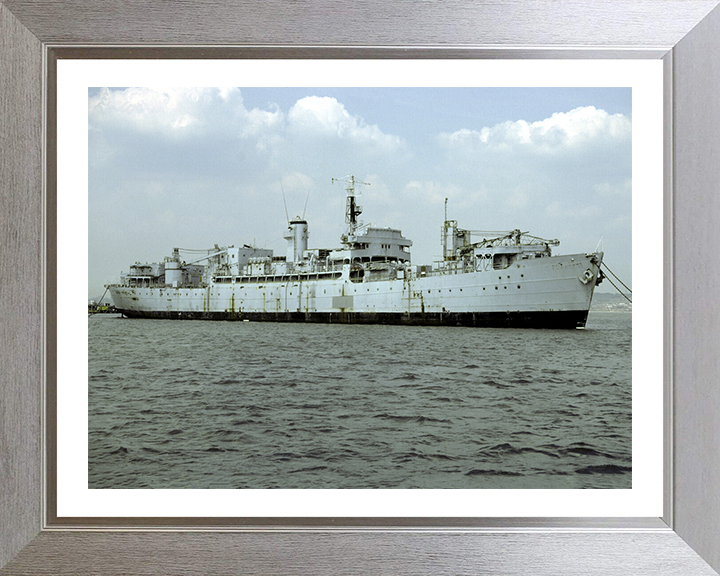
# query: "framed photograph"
652,514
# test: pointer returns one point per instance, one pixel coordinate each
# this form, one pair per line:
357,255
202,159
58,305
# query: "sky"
196,167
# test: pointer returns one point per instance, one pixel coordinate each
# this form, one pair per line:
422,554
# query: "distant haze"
195,167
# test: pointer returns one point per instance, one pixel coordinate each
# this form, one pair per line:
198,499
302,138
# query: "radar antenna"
352,210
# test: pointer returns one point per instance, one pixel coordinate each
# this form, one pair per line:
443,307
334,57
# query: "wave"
480,472
419,419
604,469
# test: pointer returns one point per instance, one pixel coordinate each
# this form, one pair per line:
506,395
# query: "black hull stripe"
556,319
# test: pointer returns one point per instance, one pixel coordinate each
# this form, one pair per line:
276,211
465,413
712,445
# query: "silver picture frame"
684,34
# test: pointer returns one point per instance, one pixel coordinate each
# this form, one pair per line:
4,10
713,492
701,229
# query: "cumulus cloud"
563,131
271,135
145,110
327,118
576,155
172,112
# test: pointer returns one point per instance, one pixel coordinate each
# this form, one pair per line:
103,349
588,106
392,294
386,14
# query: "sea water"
203,404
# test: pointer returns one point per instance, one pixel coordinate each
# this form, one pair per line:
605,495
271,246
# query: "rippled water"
201,404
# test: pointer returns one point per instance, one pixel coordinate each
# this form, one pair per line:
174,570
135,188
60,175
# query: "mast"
352,210
449,237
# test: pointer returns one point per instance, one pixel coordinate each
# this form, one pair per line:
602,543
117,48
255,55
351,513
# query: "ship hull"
564,319
553,292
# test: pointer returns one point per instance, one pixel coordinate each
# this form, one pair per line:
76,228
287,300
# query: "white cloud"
563,131
258,122
317,125
297,181
145,110
169,112
564,166
325,117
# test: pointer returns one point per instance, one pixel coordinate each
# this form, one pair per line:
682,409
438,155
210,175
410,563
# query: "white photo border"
645,499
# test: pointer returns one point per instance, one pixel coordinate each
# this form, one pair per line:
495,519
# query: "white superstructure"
506,279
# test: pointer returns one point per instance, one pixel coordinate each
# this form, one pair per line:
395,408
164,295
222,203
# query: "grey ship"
507,280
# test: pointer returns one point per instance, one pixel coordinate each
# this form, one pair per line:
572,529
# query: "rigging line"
618,289
285,203
616,278
275,240
103,296
306,201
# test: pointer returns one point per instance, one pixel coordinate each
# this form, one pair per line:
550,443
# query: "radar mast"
352,210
